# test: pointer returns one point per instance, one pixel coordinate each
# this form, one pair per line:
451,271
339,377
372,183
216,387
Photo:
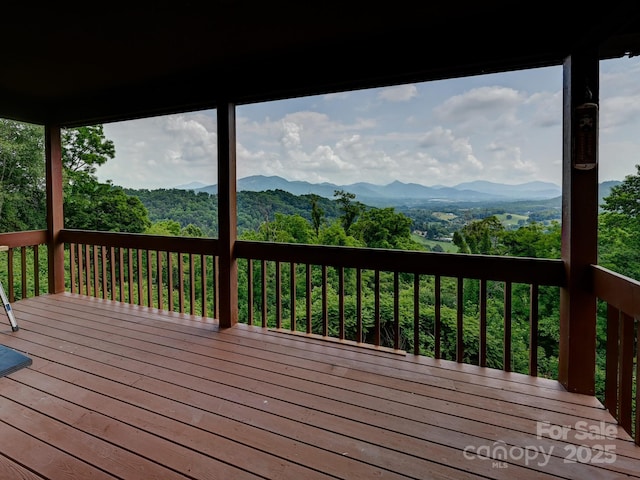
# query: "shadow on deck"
127,392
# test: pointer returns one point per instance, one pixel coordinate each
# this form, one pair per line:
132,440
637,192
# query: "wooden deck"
118,391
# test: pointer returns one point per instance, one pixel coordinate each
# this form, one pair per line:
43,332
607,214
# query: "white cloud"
400,93
497,127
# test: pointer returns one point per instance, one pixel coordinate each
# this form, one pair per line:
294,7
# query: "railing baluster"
533,331
264,294
437,353
216,273
192,285
625,380
96,272
341,330
121,273
23,270
87,264
72,266
170,281
637,398
203,284
507,327
376,294
278,296
149,278
159,279
309,297
103,271
80,270
396,310
482,360
138,275
10,274
250,299
416,314
113,273
180,283
36,270
293,294
130,276
460,321
325,312
359,305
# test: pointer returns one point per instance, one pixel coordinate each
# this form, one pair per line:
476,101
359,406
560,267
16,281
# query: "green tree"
479,236
625,197
86,148
22,187
89,204
385,228
283,228
349,208
164,227
619,228
317,213
334,234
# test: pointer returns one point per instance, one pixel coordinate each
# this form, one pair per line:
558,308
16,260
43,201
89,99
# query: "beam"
576,370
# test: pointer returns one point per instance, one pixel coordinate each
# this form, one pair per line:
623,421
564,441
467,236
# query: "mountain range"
399,193
396,192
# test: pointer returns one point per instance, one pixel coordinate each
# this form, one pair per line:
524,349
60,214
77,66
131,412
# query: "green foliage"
384,228
86,148
619,228
317,213
623,198
90,205
185,207
22,188
349,208
164,227
283,229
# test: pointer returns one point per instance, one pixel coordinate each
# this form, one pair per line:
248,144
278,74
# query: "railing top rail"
23,239
207,246
617,290
512,269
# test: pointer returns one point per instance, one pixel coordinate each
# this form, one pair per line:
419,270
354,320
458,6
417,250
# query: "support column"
55,212
576,369
227,215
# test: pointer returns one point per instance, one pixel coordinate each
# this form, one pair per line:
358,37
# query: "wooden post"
576,370
227,214
55,214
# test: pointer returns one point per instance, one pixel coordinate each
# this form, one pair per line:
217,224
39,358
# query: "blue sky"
503,128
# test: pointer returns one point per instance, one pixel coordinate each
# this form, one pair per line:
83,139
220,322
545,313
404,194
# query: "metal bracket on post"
5,300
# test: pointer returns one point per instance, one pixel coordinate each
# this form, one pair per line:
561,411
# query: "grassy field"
446,246
513,220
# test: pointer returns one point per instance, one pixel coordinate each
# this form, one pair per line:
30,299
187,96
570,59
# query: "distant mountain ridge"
396,191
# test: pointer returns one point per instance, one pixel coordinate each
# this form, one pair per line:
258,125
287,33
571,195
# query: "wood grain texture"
123,391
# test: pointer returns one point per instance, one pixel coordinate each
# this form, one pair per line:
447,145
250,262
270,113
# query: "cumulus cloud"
500,129
163,151
400,93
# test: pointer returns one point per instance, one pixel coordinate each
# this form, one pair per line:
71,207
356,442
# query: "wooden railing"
622,297
299,301
442,305
169,273
24,274
288,286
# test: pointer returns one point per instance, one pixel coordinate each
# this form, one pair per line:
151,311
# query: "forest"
278,216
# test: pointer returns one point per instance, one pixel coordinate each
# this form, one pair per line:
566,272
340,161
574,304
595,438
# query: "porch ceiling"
67,64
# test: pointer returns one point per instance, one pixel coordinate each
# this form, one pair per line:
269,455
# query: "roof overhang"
66,65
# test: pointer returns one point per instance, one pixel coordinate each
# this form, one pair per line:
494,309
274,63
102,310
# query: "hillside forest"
524,229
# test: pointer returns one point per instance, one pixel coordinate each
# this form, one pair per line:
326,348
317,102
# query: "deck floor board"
121,391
